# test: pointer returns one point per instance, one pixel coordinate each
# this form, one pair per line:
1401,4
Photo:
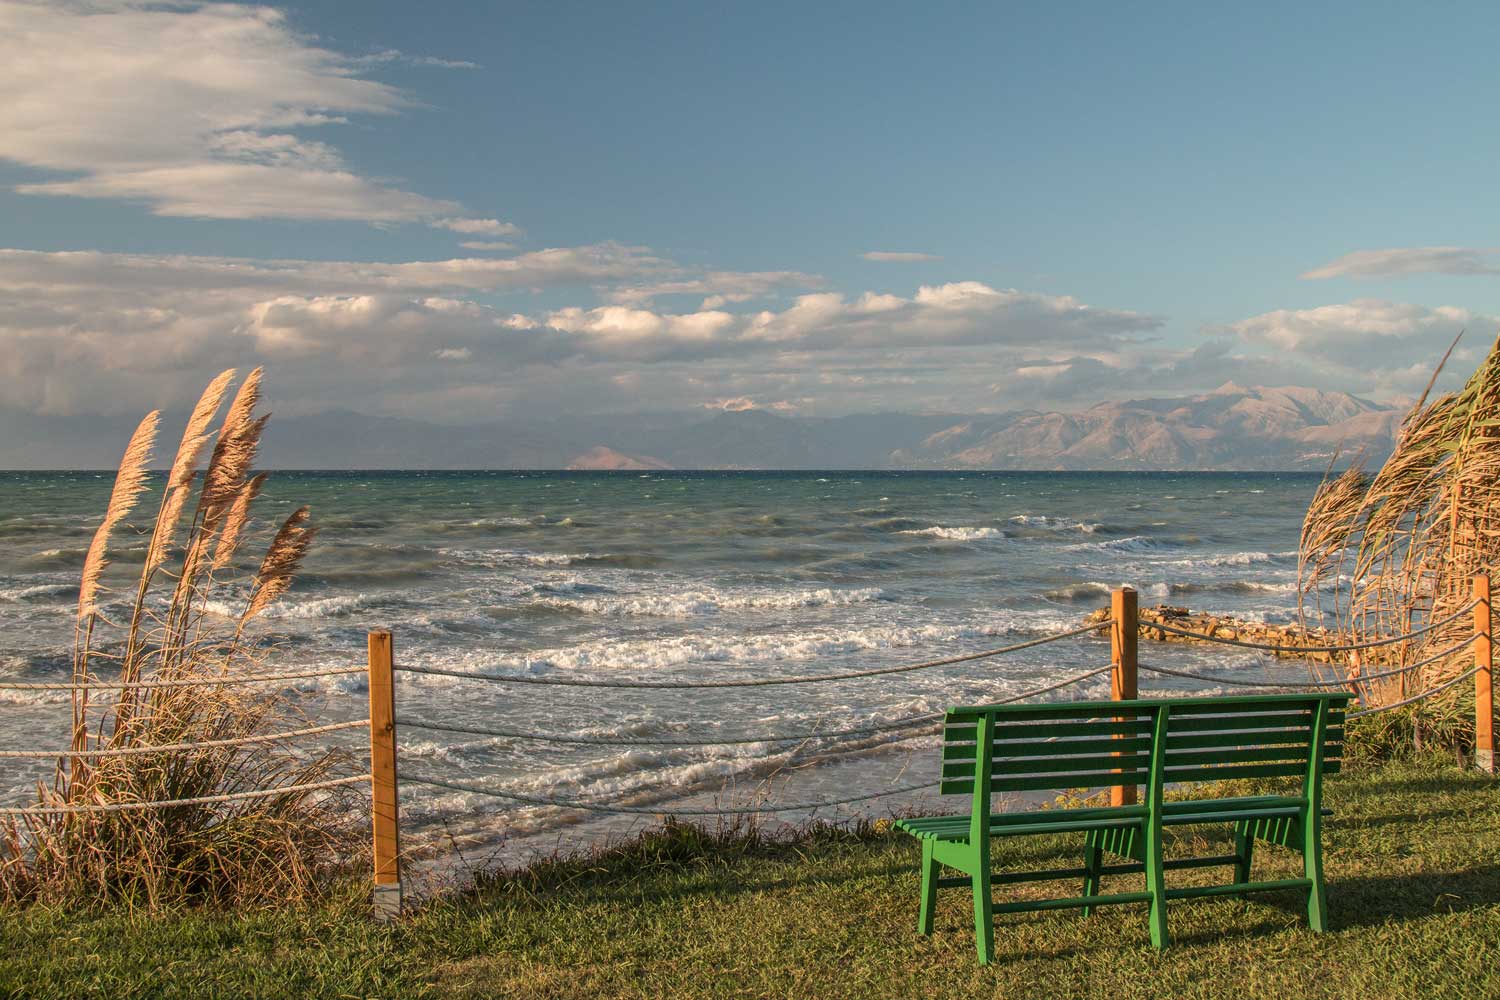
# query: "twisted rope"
1297,650
886,727
202,800
184,682
1419,697
536,800
758,682
1346,682
188,745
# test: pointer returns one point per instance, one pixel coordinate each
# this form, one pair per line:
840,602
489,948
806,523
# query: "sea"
679,577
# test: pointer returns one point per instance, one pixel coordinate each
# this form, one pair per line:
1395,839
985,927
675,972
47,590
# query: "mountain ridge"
1230,428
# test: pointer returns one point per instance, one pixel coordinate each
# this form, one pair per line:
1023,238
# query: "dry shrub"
271,849
1384,554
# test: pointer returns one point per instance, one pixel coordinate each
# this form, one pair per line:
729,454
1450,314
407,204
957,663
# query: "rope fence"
887,727
1298,650
1352,680
188,744
179,682
1451,682
202,800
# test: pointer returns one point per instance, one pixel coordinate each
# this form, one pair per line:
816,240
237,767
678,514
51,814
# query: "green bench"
1153,743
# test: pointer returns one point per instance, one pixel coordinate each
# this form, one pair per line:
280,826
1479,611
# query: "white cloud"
487,245
1363,332
192,109
478,227
1402,261
1373,347
81,331
898,256
955,314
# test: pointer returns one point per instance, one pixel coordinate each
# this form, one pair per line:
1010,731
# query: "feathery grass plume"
184,468
130,483
1382,555
259,851
225,475
283,557
234,522
234,453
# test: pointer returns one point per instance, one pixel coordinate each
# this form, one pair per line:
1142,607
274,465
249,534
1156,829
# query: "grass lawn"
1413,866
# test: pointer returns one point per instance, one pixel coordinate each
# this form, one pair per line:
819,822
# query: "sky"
463,212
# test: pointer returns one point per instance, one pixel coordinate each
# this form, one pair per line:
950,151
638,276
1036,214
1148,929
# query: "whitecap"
959,534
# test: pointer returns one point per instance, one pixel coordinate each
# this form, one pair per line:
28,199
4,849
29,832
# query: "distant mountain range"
1233,427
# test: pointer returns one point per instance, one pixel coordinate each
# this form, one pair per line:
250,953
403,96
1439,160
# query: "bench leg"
1156,884
1093,860
929,890
984,914
1312,863
1244,851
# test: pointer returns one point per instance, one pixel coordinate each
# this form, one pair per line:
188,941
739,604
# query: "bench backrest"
1149,741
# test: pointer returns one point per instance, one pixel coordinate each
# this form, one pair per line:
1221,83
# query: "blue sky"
1085,201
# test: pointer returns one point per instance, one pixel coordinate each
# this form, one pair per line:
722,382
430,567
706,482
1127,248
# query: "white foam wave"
1052,523
957,534
663,653
39,590
1230,559
1133,543
1222,586
499,558
323,607
1079,591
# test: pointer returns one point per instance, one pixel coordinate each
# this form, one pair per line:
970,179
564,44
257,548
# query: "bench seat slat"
959,832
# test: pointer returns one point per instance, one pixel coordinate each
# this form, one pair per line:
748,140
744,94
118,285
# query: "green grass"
1413,859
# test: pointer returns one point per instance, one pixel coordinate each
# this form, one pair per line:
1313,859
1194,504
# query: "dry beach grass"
172,628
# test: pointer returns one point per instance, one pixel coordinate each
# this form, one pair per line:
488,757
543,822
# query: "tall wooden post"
383,808
1484,691
1123,635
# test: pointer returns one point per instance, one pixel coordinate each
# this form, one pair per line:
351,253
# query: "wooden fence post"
383,808
1484,692
1123,635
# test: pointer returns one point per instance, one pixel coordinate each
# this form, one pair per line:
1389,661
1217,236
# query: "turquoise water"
692,575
